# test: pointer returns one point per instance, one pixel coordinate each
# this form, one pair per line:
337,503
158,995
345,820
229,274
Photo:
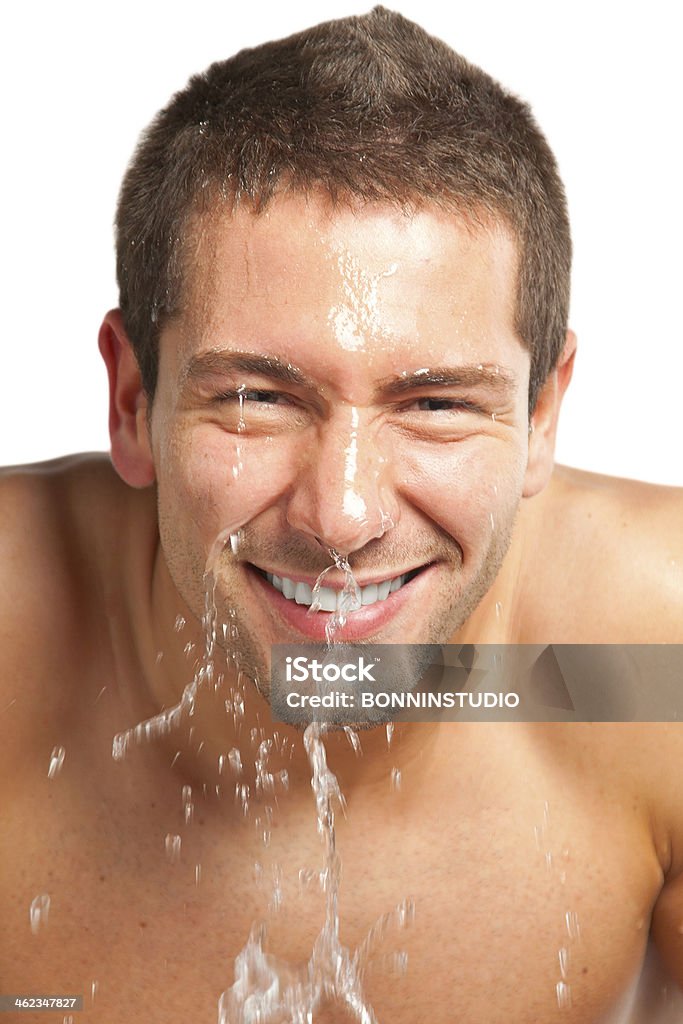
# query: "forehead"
350,287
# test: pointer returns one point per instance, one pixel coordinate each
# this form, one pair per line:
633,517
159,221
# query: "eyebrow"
207,365
494,378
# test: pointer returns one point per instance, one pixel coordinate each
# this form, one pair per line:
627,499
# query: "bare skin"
498,832
488,907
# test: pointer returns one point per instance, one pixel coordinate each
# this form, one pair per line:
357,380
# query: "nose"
343,495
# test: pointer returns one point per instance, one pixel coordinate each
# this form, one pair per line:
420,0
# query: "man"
343,262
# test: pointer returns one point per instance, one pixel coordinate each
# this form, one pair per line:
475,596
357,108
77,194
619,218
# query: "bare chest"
516,898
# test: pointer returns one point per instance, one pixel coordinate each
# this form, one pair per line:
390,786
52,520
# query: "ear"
543,425
128,405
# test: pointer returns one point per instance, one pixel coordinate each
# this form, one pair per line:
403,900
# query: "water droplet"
572,921
56,762
39,911
307,876
93,989
499,609
563,956
197,874
400,963
68,1020
277,894
242,793
405,913
179,623
235,760
390,734
188,806
395,778
564,995
119,746
548,860
189,647
173,843
354,739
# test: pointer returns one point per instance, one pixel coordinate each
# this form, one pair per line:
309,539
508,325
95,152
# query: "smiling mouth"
329,599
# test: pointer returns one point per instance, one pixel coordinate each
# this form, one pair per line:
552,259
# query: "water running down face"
349,380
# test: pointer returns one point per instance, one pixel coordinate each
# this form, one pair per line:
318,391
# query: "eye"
254,411
445,405
254,396
263,397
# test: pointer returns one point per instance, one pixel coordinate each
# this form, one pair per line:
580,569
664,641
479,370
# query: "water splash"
165,721
267,990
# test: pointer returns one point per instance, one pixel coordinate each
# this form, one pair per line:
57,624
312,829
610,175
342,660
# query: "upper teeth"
328,598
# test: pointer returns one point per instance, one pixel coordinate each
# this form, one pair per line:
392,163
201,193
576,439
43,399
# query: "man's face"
349,380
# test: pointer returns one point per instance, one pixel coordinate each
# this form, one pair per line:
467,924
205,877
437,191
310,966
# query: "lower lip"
361,624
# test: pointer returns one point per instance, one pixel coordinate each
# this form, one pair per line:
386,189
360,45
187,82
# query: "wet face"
346,380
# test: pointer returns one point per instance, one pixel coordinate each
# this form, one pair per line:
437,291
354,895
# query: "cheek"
215,481
471,489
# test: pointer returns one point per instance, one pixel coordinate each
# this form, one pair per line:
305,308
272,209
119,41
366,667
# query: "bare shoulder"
45,510
611,558
51,545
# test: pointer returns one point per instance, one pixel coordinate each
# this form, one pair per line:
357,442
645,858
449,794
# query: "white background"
80,82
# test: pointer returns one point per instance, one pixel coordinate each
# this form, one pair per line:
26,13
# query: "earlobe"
543,425
130,447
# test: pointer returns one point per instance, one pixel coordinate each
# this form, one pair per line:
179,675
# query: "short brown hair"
370,108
